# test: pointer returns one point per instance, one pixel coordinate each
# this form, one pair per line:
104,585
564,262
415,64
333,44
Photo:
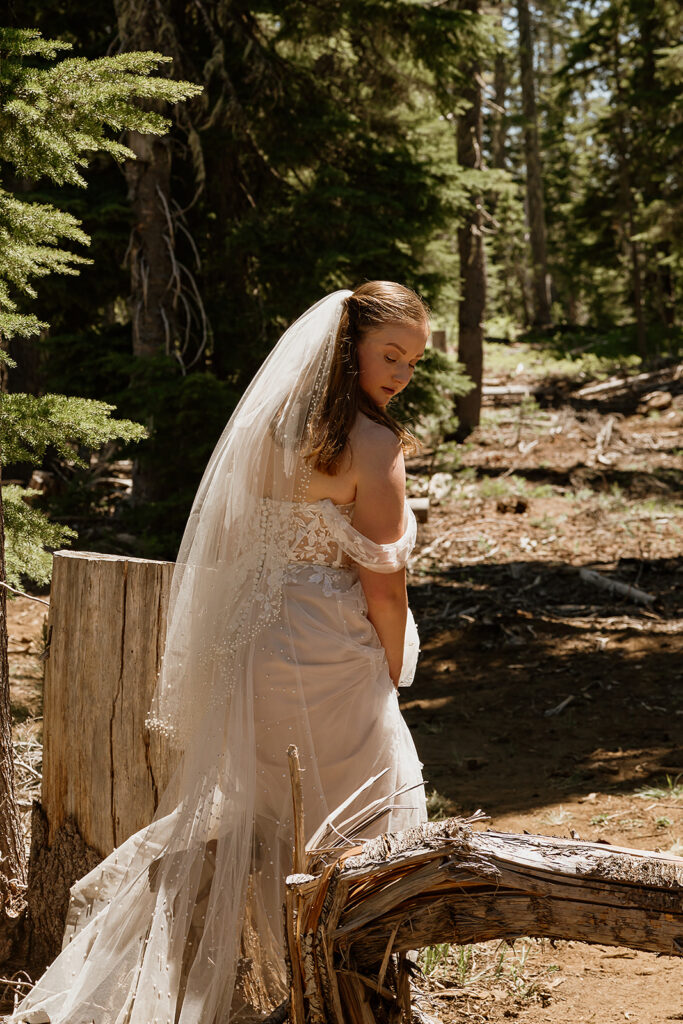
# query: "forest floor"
554,706
549,703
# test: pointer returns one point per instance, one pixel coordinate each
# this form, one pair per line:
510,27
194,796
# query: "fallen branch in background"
615,587
637,382
355,911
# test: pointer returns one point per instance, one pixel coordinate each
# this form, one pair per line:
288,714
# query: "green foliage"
53,119
29,536
622,135
29,423
185,416
29,233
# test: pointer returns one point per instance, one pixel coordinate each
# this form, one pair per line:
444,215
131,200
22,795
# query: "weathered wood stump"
352,917
102,772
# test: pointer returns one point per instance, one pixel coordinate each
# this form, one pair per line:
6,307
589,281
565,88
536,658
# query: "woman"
288,623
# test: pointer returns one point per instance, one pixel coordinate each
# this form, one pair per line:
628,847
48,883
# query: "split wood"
353,914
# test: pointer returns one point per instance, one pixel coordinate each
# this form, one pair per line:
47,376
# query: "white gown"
317,676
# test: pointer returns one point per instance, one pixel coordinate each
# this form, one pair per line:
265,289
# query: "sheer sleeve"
377,557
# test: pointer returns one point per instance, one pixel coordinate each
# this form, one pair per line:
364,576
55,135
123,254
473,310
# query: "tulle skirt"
316,677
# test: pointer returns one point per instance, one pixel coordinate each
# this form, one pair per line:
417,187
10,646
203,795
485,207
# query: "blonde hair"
372,305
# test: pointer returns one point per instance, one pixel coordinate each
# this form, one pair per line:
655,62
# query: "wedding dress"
268,644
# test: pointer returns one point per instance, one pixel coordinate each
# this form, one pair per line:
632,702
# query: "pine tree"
627,194
54,117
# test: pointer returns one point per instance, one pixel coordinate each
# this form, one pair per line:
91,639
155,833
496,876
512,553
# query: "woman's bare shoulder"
379,473
373,442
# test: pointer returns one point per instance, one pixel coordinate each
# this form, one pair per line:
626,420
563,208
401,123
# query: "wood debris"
354,912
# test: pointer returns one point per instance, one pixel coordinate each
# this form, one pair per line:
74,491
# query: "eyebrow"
402,350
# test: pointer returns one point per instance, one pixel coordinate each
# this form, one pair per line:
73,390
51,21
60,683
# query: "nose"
401,375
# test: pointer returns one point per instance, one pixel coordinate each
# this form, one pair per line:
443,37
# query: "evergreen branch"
28,532
53,119
31,423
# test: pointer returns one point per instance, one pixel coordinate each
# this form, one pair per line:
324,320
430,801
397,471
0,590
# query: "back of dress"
268,643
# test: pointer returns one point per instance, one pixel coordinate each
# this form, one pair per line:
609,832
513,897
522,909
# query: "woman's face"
387,357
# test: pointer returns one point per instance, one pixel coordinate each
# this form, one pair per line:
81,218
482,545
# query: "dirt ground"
552,704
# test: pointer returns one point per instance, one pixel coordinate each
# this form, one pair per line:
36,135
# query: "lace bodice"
310,537
320,533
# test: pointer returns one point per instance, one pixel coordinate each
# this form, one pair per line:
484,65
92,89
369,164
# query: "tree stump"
102,771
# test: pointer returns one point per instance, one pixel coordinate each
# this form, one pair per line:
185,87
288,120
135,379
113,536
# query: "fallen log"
353,914
637,382
616,587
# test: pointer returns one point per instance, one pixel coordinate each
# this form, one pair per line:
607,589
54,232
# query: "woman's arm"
378,514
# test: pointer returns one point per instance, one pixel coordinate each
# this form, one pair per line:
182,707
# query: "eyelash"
390,360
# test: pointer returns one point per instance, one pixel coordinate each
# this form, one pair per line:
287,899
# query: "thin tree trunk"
499,123
12,850
534,175
472,258
627,204
11,838
154,276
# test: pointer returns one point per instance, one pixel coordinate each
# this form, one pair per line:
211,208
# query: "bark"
472,258
102,771
498,120
154,275
54,865
99,766
12,851
629,227
11,837
534,173
349,923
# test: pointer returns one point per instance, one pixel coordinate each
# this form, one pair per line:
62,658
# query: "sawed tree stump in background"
102,772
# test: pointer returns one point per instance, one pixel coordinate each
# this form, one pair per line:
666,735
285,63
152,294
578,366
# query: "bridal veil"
159,931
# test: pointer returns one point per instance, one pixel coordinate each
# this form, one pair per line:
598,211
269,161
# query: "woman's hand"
379,470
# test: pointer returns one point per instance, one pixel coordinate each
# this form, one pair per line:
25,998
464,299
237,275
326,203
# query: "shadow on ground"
535,687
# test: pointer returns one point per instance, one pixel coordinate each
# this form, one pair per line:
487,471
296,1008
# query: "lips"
389,391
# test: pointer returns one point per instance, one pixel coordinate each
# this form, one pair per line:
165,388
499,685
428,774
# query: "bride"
288,622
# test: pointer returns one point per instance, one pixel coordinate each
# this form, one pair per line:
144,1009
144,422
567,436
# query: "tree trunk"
472,257
154,274
498,119
102,772
12,850
11,838
350,924
534,175
627,203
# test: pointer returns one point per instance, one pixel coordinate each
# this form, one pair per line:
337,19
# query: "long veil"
160,929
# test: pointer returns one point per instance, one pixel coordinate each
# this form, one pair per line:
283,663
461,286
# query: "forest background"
519,165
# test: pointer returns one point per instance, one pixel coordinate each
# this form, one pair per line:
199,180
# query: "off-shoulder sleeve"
377,557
